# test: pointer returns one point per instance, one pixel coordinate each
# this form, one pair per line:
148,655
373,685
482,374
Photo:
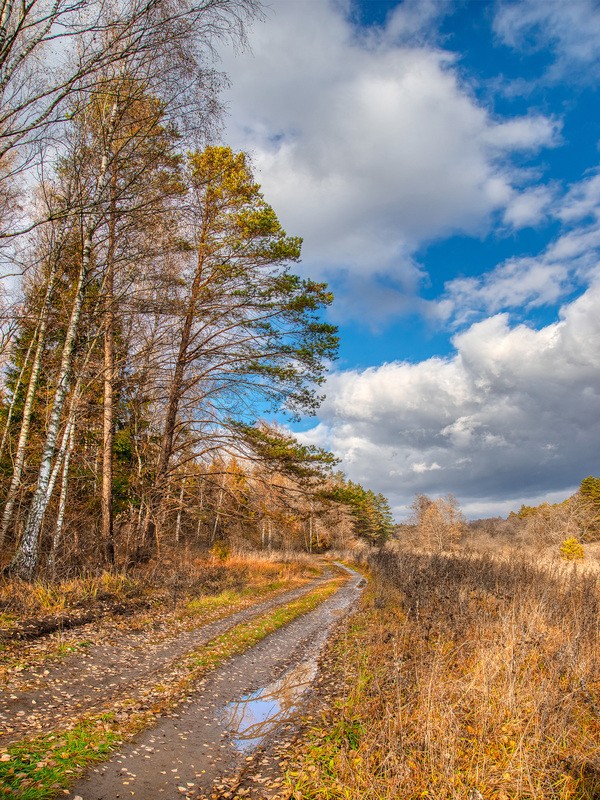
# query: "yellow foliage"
572,550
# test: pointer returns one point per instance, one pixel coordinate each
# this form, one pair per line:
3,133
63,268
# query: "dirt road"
232,710
90,678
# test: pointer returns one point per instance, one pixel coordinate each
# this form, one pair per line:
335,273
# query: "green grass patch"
230,600
38,769
7,621
246,635
206,603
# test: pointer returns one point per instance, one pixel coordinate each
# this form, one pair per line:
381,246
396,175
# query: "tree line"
157,317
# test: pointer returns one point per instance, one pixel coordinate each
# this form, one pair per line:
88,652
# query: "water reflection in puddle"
260,713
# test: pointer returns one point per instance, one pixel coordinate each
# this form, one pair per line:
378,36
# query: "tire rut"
91,679
194,748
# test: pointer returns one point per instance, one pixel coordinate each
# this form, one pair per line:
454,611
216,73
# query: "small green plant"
36,769
220,551
205,603
572,550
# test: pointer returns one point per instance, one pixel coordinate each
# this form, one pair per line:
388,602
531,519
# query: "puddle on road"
261,712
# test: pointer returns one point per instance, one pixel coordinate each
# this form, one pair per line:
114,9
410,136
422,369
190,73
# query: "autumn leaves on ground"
462,677
472,667
154,522
71,697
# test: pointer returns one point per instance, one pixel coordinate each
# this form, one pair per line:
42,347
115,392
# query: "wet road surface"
42,698
233,709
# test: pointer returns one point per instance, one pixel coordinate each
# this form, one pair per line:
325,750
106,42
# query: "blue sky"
441,160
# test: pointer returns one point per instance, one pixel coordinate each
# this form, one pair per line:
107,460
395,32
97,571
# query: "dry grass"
20,598
463,678
174,580
35,769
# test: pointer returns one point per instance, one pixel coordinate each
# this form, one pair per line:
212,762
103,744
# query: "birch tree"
139,65
53,52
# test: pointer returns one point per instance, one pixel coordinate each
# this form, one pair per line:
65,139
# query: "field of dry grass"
462,677
176,581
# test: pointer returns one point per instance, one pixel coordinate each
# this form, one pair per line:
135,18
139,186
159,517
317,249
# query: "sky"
440,159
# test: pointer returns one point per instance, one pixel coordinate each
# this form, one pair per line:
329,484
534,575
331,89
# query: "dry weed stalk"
467,675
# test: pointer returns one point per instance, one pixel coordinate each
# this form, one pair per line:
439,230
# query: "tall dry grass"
464,678
167,582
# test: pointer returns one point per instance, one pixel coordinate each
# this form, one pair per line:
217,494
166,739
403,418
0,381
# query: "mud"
192,751
92,677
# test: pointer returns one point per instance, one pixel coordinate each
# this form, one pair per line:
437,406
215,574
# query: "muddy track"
42,626
210,734
47,697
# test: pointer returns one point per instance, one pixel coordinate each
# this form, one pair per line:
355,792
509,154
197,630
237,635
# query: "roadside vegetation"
461,676
152,321
191,584
42,623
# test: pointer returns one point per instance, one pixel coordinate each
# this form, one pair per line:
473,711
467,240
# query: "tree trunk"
108,423
18,383
62,501
218,514
28,406
148,538
179,513
26,558
4,20
62,450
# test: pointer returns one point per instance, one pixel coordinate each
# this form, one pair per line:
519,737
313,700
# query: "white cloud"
513,414
582,201
523,283
570,28
415,20
528,208
420,467
569,262
368,144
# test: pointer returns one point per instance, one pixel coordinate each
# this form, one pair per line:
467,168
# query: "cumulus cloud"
529,208
568,263
514,414
415,21
570,29
582,201
522,283
353,134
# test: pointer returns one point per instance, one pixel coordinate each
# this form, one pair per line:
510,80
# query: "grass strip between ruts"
38,768
211,607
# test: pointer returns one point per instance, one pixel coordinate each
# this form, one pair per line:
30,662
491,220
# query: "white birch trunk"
4,20
216,525
27,556
179,513
28,409
18,383
62,450
62,501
